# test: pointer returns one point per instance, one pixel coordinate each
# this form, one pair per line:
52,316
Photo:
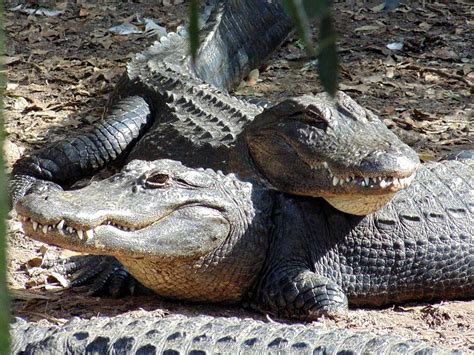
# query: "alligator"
164,107
203,236
180,334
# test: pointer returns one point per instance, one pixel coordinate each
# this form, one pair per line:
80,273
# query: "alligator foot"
105,274
301,294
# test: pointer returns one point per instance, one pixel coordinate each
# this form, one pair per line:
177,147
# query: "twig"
439,72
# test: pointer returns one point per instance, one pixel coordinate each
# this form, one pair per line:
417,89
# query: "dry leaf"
367,28
378,8
253,77
11,60
83,12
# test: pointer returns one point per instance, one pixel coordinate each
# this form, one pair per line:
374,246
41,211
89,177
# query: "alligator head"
336,149
172,226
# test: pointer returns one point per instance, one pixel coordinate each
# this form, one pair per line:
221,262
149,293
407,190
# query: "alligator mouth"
64,229
390,183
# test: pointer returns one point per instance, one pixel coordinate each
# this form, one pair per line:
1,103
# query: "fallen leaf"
20,103
367,28
253,77
83,12
11,60
395,46
425,26
124,29
430,77
378,8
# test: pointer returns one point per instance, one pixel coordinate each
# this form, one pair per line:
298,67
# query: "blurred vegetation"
4,300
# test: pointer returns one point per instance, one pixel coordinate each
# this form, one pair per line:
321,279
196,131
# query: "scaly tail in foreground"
179,334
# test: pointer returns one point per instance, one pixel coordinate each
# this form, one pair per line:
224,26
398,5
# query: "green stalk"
4,297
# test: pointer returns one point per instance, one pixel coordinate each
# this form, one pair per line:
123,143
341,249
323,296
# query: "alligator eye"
156,180
314,116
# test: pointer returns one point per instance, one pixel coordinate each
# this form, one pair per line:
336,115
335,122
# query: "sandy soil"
61,69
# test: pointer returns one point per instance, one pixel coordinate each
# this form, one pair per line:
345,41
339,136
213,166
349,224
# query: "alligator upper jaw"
360,183
186,233
357,194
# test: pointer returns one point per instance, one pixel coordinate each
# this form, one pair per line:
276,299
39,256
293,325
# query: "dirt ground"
61,69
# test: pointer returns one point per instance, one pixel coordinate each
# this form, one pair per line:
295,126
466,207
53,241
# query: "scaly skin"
180,334
202,236
163,109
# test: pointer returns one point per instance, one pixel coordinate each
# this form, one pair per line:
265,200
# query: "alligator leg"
289,291
106,275
66,161
289,285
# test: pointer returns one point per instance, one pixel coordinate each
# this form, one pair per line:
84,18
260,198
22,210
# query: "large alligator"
198,235
180,334
164,109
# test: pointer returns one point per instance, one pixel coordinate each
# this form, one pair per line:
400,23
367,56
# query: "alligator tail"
239,36
179,334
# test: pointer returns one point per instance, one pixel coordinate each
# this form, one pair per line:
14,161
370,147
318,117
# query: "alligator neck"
195,122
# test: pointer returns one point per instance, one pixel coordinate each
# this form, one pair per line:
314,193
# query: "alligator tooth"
367,181
397,182
383,184
89,234
70,229
348,179
60,225
325,165
35,225
363,183
80,234
50,228
45,229
335,180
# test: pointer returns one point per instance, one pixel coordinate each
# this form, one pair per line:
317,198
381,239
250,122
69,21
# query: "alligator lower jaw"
359,205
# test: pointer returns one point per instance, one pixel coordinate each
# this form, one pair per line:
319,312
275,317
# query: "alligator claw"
104,273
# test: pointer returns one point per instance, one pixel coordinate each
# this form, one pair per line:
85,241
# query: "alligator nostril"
46,198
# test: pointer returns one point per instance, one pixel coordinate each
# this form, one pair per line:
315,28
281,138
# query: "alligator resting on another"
202,236
202,335
163,109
